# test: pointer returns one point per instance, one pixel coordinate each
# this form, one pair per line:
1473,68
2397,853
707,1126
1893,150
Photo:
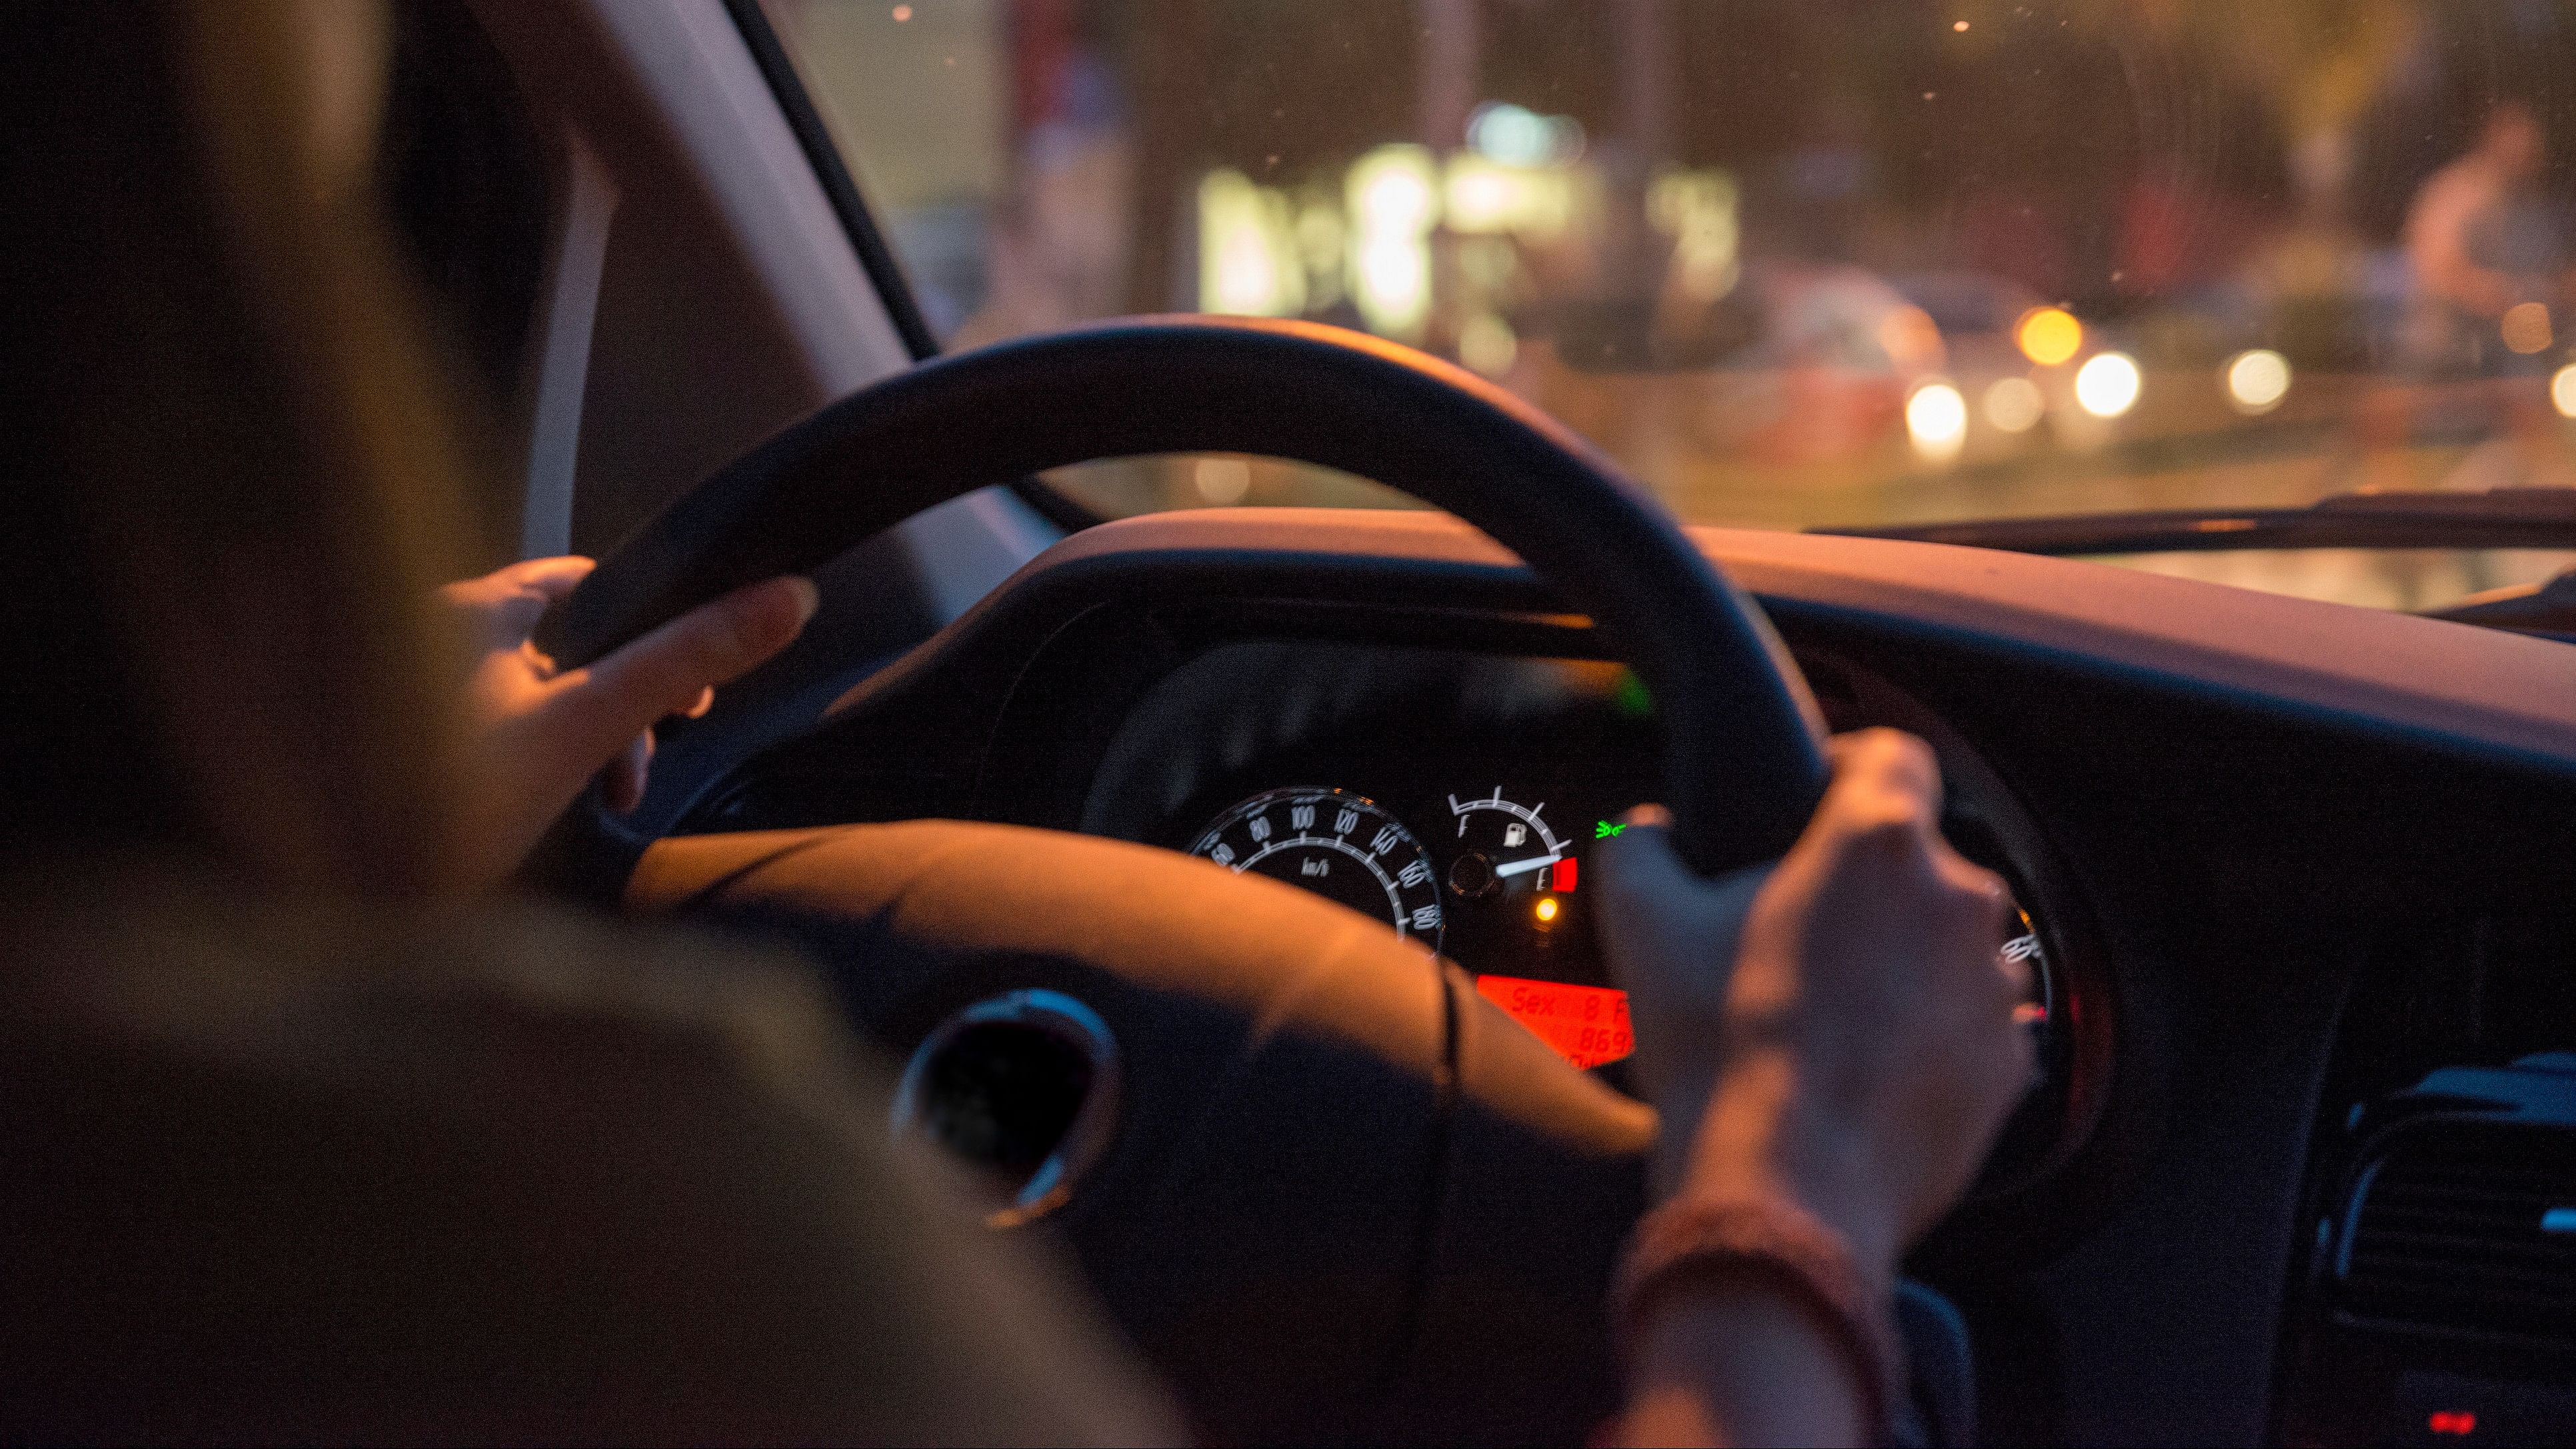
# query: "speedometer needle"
1519,866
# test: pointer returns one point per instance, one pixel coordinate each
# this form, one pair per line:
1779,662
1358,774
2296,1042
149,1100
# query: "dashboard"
2283,866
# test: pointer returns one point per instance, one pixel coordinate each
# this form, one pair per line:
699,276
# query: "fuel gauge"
1502,847
1526,933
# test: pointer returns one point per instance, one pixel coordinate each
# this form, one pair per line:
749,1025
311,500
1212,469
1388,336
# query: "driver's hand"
536,734
1838,1027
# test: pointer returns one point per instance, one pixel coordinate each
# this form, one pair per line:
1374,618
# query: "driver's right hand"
1836,1028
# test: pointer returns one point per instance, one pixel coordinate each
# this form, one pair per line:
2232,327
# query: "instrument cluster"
1494,885
1459,798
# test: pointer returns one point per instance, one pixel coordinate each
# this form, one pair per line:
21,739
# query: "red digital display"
1586,1025
2459,1423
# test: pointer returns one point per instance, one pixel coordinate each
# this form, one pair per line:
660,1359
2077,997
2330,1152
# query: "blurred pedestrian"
2482,243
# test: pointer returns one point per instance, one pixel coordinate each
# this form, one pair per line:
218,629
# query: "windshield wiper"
2500,518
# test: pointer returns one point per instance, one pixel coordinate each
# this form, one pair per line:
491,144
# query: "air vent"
2467,1229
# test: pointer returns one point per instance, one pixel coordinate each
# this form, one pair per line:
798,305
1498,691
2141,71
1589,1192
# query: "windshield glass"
1794,263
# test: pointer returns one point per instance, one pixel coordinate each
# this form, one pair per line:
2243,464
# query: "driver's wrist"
1760,1136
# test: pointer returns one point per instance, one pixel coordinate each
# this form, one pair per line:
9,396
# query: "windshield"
1794,263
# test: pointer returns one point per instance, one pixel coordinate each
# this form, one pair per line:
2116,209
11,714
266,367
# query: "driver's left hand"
536,734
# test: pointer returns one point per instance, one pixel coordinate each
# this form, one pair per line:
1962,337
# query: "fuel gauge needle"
1519,867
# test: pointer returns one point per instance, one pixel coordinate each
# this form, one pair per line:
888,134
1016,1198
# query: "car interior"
2295,877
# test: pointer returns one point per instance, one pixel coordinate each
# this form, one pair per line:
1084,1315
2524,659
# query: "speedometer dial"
1336,844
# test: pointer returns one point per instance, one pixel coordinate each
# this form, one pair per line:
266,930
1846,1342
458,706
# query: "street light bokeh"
2107,385
1936,416
2257,380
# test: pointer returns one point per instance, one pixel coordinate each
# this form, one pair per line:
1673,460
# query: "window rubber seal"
884,270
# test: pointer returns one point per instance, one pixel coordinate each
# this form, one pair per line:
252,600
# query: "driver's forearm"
1740,1363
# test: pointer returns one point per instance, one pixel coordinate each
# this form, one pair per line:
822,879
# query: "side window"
920,100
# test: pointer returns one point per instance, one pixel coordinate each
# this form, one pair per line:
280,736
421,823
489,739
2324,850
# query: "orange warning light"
1586,1025
1547,908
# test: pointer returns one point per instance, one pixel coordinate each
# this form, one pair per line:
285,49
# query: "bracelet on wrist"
1770,1241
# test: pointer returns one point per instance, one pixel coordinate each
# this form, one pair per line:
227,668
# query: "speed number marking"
1337,844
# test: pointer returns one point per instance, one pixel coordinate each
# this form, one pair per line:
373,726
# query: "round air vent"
1024,1088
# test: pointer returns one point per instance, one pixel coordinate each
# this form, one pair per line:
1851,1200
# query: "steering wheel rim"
1743,757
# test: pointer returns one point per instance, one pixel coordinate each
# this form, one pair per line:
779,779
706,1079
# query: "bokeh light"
2014,404
2108,385
2562,391
2257,380
1487,198
1519,136
2526,328
2049,335
1911,339
1937,419
1697,210
1248,257
1394,202
1222,481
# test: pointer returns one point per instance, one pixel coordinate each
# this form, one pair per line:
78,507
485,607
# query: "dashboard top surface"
2485,691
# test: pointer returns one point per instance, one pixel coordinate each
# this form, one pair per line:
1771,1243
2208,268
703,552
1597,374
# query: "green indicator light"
1628,696
1603,829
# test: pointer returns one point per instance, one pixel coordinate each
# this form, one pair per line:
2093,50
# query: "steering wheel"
1347,1197
1743,768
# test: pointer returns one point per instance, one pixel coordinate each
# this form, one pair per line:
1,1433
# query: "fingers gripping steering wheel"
1743,767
